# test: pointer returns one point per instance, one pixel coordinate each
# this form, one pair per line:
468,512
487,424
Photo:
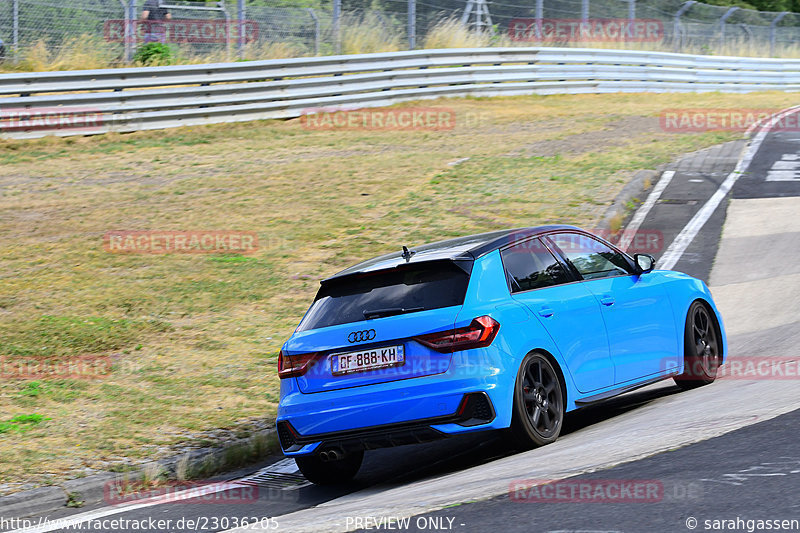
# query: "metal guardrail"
132,99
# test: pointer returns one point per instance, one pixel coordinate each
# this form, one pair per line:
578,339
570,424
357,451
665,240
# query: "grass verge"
193,339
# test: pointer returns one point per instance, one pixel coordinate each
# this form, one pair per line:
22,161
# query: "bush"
154,54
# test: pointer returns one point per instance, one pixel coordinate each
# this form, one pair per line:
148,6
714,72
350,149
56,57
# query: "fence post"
773,26
125,25
15,30
677,36
315,18
722,20
337,36
241,15
412,24
631,16
228,43
584,10
539,17
467,11
132,27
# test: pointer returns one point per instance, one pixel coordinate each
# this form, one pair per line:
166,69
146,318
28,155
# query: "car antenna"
407,254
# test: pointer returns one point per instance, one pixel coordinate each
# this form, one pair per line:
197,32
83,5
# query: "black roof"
466,248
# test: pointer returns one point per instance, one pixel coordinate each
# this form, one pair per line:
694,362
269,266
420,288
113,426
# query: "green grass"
21,423
50,336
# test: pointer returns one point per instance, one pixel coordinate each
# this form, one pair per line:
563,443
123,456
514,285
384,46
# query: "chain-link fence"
226,30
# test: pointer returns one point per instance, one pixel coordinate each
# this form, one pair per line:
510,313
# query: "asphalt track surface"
750,474
756,282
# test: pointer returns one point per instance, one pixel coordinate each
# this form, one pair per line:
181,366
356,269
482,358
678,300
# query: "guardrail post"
337,36
677,33
722,20
773,26
315,18
412,24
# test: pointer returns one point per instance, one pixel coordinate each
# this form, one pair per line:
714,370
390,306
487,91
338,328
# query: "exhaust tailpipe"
334,455
331,455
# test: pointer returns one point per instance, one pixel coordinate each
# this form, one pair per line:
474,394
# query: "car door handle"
607,300
546,312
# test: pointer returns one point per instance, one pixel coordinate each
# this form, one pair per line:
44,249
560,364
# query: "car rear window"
411,288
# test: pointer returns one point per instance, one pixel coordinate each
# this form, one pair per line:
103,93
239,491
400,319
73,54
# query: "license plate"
347,363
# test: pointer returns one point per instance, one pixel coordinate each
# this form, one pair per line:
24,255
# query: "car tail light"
479,334
290,366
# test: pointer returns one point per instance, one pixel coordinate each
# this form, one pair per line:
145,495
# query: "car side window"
530,265
590,257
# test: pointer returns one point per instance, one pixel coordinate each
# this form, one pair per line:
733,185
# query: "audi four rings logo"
362,336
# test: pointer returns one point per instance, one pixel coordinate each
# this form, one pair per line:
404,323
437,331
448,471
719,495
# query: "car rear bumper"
475,409
399,412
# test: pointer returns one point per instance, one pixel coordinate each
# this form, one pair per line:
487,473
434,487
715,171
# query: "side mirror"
644,262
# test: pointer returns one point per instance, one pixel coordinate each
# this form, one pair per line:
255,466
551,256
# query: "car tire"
701,351
331,472
538,408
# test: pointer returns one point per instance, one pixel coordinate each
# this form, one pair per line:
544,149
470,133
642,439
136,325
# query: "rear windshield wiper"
390,311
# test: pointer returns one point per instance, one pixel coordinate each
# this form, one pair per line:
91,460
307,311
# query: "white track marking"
783,175
284,466
690,231
644,210
786,169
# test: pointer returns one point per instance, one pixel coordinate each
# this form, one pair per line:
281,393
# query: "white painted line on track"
284,466
644,210
690,231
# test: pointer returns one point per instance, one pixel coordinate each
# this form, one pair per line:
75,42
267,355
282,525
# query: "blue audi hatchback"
503,330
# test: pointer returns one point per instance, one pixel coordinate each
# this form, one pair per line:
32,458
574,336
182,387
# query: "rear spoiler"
464,263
